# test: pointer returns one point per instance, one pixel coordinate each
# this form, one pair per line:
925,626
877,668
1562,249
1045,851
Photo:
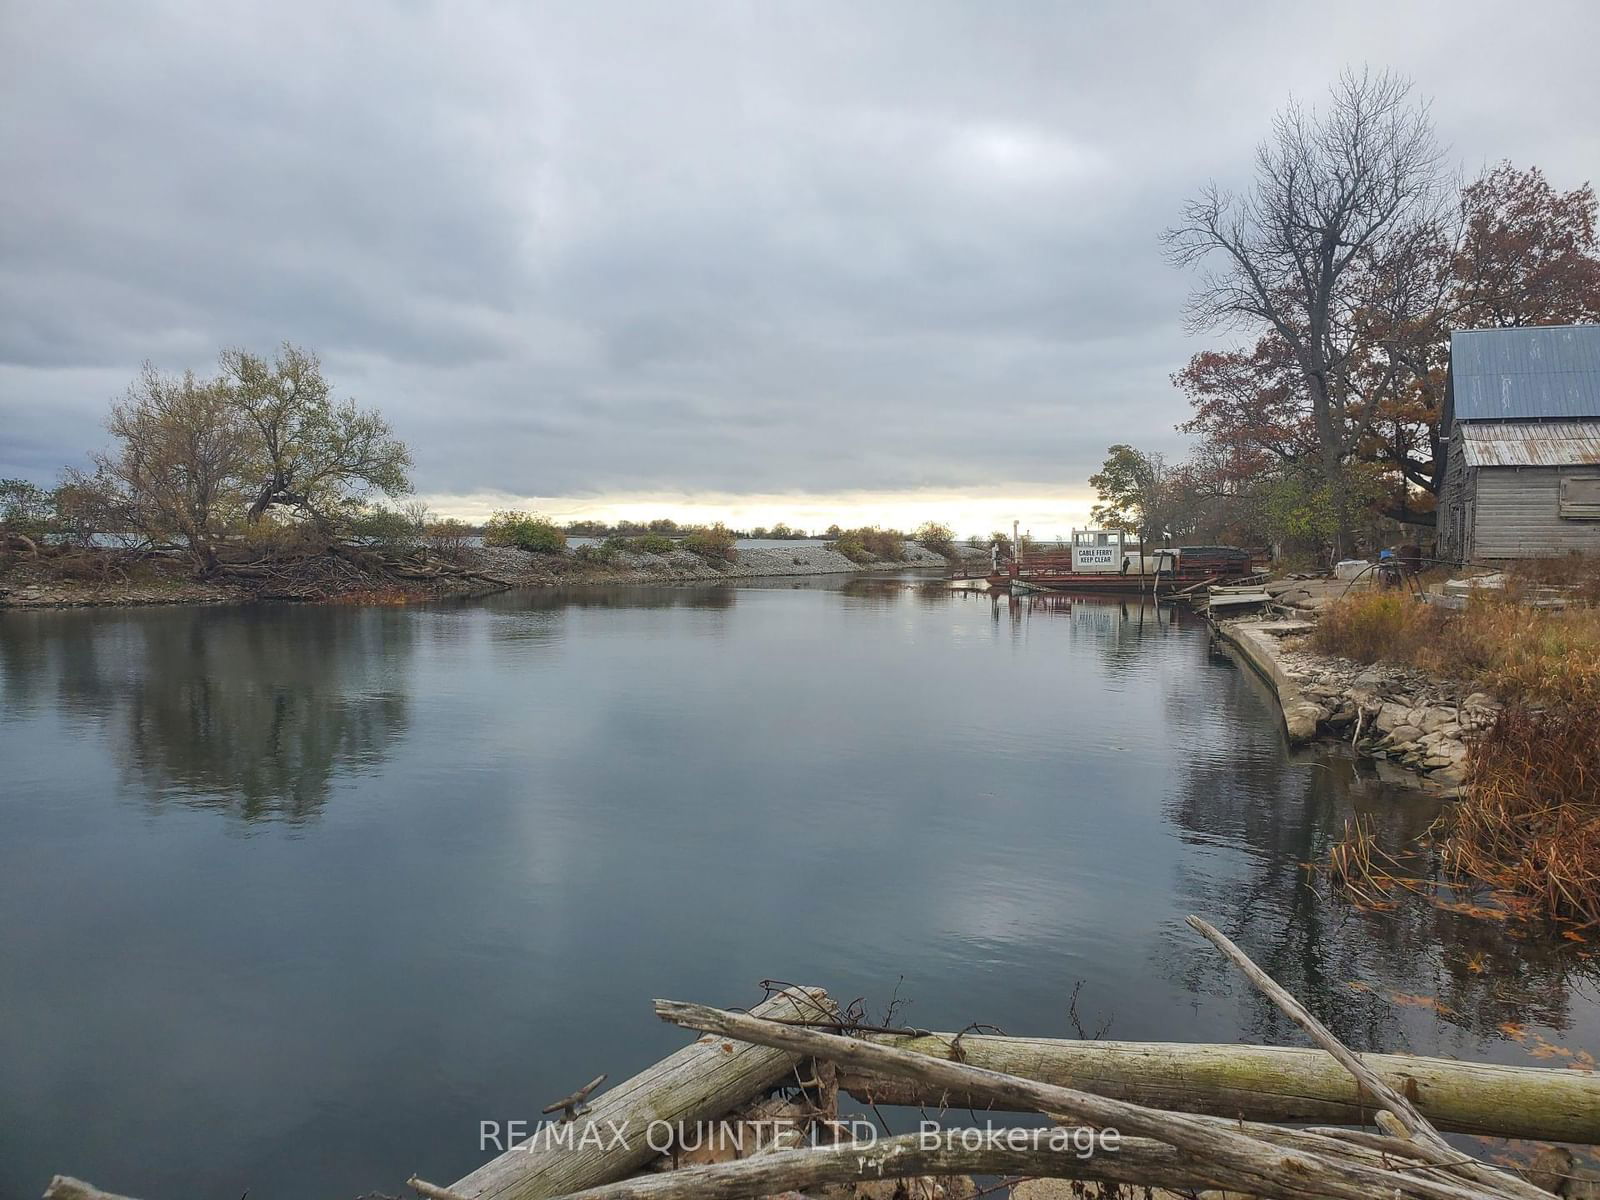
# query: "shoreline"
1389,713
508,568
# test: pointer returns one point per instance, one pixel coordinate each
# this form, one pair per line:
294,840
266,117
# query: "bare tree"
174,476
1334,189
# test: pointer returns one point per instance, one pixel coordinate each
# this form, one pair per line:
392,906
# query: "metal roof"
1540,371
1530,443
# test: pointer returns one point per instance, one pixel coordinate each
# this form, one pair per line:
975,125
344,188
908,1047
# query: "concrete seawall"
1256,642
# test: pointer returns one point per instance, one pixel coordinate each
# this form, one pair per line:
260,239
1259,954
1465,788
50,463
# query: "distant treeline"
928,533
539,534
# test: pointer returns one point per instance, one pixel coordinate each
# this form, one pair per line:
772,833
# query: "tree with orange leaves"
1515,251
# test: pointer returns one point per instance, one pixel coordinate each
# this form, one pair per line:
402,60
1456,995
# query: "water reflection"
877,593
1380,979
253,716
711,597
501,825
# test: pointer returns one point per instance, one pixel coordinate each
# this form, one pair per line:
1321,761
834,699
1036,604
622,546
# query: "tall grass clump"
1530,820
1375,626
1538,655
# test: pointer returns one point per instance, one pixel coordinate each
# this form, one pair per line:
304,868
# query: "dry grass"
1378,626
1529,822
1540,656
1364,871
367,597
1537,655
1578,572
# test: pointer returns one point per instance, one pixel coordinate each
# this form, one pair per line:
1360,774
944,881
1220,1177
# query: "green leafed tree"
1135,492
26,511
313,455
194,460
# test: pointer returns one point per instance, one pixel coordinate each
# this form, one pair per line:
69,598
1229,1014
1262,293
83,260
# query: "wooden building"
1521,438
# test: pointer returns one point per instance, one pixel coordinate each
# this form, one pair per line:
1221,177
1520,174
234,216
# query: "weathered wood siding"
1516,514
1454,531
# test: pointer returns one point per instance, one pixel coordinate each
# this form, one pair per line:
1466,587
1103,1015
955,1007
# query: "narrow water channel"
291,898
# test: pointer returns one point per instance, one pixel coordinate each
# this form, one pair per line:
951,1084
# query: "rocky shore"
1388,712
27,588
19,590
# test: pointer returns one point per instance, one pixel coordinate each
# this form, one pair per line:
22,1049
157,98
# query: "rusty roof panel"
1530,443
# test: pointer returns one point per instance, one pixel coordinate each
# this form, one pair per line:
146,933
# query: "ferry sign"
1096,558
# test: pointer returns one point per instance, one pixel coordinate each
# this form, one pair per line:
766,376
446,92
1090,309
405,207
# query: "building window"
1580,497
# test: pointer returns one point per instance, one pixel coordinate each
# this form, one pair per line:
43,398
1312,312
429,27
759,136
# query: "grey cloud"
575,249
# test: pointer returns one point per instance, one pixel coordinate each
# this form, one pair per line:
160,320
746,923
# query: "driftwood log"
1108,1138
1139,1162
1403,1119
763,1126
1217,1153
701,1082
1214,1152
65,1187
1264,1083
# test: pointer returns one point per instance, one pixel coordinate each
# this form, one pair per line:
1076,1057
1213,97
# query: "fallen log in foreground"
1018,1153
699,1083
65,1187
1262,1083
1139,1162
1214,1153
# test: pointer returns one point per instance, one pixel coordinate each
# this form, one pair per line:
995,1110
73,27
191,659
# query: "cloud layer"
599,250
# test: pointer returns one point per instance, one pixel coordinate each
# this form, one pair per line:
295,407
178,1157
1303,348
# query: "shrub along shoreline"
1527,821
480,570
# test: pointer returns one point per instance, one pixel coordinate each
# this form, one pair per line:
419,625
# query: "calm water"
291,898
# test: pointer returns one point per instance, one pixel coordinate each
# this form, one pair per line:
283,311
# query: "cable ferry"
1108,560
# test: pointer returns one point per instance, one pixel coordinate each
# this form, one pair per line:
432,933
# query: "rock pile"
1393,712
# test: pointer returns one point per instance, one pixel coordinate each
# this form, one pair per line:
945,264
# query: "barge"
1106,560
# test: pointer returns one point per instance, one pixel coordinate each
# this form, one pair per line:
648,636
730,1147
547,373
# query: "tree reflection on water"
1371,975
252,715
1432,968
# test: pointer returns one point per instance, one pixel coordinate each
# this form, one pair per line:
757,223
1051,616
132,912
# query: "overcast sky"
864,260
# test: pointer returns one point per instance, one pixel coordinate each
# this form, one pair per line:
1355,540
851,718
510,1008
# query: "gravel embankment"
34,588
537,570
